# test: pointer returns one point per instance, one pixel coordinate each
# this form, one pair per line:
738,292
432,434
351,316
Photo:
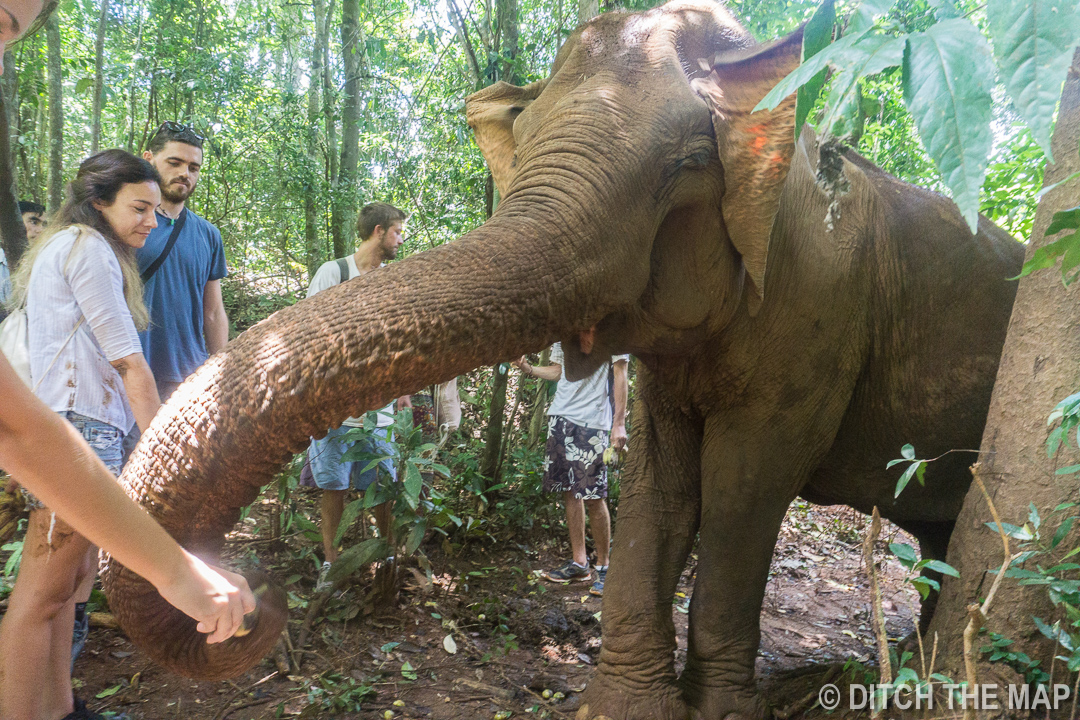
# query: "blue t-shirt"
174,345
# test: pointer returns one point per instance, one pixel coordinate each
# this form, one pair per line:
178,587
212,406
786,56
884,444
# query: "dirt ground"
521,646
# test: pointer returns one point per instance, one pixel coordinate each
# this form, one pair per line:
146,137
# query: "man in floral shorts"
584,417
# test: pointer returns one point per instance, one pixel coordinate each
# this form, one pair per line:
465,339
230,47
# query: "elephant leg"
742,509
656,526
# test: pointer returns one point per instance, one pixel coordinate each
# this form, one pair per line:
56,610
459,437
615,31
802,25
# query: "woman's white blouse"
71,280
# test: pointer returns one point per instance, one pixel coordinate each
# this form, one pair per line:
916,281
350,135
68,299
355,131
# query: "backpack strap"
343,266
177,227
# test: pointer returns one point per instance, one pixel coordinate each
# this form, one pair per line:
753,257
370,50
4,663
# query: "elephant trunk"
232,425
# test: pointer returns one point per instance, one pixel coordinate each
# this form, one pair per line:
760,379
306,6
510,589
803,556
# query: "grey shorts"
106,440
332,473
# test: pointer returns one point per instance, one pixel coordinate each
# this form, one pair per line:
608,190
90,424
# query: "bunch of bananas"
12,510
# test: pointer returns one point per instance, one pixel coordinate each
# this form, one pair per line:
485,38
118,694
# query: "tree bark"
1038,369
493,434
99,77
344,209
509,31
312,246
329,96
12,233
56,114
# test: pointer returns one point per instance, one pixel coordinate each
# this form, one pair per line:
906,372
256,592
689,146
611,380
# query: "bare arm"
622,392
405,401
215,321
552,372
46,454
140,388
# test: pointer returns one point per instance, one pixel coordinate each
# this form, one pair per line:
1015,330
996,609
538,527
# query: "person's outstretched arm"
44,452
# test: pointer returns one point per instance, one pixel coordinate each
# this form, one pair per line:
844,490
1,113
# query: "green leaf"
807,71
108,692
817,35
906,676
356,557
906,477
868,57
948,76
1063,529
868,11
414,483
1064,220
389,646
945,9
1055,632
908,452
416,536
941,567
348,517
83,85
904,552
407,671
1034,41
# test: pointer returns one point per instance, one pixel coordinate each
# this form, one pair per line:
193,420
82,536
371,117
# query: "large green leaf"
816,37
1034,42
867,57
357,557
948,74
868,11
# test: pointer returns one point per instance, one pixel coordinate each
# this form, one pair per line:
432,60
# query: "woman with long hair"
83,298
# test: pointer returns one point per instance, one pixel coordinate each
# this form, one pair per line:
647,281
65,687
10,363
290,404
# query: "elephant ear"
755,147
491,113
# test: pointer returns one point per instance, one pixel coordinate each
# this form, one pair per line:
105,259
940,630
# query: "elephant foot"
606,698
722,701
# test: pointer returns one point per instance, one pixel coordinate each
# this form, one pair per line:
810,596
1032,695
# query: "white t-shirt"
327,276
70,281
586,402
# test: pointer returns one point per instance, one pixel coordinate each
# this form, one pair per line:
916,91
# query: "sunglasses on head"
175,127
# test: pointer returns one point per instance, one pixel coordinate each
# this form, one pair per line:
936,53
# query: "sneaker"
571,571
79,634
82,713
598,586
324,584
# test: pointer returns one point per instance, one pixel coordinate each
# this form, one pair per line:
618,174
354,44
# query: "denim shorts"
105,439
332,473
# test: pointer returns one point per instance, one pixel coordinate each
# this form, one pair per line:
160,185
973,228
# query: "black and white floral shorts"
574,460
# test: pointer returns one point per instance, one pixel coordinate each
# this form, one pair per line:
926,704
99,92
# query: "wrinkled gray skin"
641,196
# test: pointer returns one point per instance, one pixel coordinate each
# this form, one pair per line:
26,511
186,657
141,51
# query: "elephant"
645,208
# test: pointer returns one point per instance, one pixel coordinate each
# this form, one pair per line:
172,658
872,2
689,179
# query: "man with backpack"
182,264
379,228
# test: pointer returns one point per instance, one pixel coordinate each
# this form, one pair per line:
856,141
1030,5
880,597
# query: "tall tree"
329,91
1038,369
344,211
99,77
313,255
504,43
12,233
56,113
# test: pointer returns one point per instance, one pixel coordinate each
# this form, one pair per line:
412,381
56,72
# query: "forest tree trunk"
12,233
493,434
344,209
312,246
1040,366
56,114
99,78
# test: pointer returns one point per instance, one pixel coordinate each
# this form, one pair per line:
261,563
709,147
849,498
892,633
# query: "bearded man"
182,264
